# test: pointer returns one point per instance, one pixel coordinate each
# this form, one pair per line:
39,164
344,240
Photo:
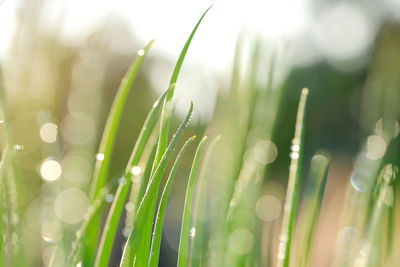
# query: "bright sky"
169,22
340,31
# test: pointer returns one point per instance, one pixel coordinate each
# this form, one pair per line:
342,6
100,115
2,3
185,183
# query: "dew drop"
122,181
18,147
129,206
100,156
109,198
192,232
376,146
294,155
140,52
136,170
125,232
295,148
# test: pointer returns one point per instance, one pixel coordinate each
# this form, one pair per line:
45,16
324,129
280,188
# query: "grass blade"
292,192
114,215
156,242
185,228
311,206
113,120
164,134
370,248
77,245
166,113
3,163
197,243
139,185
106,147
150,195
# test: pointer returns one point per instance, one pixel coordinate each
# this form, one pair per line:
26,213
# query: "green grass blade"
139,187
164,133
150,195
370,247
106,147
178,65
114,215
197,243
166,113
187,209
292,192
3,163
311,206
112,123
77,245
157,233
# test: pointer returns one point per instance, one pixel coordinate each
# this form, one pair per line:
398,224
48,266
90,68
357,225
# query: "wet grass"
228,218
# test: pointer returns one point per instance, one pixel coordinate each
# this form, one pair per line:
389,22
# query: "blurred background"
62,62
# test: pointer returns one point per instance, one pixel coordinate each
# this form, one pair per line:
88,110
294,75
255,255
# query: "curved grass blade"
77,244
197,243
292,193
106,147
139,186
164,135
150,195
166,113
311,206
187,208
112,123
114,215
157,233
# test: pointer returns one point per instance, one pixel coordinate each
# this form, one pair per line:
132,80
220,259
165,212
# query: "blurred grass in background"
57,97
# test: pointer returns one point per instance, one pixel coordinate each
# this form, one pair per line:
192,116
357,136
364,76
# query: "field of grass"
86,212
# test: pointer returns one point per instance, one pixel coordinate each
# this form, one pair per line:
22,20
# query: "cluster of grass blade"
220,224
143,243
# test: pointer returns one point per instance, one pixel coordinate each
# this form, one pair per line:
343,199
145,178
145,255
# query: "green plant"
228,218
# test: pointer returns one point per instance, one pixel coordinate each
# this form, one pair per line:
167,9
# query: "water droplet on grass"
136,170
122,181
376,147
18,147
109,198
100,156
294,155
192,232
129,206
